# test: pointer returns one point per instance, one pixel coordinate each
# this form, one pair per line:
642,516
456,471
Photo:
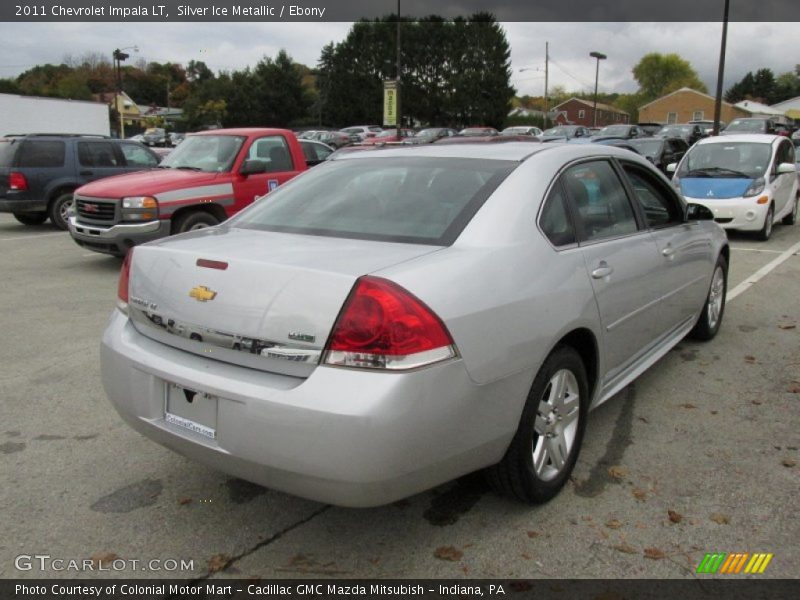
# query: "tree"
659,74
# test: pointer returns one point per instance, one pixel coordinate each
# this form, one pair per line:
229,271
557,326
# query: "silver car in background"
390,321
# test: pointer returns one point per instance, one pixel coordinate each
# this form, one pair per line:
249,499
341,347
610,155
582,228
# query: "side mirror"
698,212
672,167
785,168
253,166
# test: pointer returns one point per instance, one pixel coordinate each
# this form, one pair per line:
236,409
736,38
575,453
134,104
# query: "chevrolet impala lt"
395,319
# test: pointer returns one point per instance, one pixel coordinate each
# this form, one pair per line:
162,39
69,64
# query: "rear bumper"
736,213
117,239
22,205
340,436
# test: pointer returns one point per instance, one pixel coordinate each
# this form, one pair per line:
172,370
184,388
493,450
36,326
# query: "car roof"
243,131
510,151
759,138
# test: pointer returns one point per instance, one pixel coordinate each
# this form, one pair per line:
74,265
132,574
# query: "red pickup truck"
207,178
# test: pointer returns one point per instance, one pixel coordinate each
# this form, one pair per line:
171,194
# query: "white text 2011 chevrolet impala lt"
394,319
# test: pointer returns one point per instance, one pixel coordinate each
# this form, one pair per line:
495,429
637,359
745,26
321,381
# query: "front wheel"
59,210
791,218
190,221
545,448
710,319
766,230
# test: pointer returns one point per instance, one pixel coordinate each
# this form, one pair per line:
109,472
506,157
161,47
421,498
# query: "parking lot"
699,455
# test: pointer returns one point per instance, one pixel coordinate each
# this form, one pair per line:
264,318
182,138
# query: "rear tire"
545,448
791,218
198,219
59,210
766,230
33,218
710,319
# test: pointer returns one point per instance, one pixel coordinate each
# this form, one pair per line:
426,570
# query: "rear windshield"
394,199
7,148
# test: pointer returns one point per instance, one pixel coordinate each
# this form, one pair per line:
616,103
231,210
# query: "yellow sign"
389,103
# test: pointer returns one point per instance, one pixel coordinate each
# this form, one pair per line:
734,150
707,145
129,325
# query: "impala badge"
302,337
202,294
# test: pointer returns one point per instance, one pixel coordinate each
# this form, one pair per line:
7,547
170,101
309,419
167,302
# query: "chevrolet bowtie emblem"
202,294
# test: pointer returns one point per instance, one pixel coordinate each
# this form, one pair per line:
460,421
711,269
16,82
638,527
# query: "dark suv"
39,172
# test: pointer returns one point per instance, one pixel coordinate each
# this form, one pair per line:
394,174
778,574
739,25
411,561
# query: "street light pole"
119,56
397,91
599,56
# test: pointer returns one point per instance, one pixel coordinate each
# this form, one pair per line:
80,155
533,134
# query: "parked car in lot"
39,173
362,132
413,315
561,133
207,178
650,128
389,136
521,130
619,132
155,136
688,132
478,131
748,181
430,135
662,152
749,125
176,138
707,125
334,139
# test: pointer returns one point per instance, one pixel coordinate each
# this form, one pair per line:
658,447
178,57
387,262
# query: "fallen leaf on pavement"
617,472
750,359
787,326
218,562
788,462
639,494
626,548
533,534
675,517
720,518
794,389
687,405
103,558
184,501
448,553
654,553
613,523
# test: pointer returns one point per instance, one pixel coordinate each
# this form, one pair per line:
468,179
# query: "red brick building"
577,111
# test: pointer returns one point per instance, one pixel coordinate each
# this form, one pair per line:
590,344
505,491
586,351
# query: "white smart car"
748,181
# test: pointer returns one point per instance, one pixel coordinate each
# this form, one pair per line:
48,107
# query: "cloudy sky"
236,45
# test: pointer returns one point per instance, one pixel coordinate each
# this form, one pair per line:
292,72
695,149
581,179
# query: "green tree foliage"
659,74
453,72
763,86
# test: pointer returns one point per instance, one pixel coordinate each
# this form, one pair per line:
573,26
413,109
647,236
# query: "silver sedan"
389,321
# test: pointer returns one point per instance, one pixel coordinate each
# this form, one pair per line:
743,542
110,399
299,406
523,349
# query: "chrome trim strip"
219,189
652,303
143,312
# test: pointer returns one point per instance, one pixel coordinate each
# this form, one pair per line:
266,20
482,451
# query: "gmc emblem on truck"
91,208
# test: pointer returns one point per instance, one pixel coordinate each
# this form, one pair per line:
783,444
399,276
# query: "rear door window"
42,154
601,203
7,150
555,220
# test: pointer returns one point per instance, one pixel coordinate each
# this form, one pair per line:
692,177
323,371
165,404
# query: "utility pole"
599,56
397,92
546,72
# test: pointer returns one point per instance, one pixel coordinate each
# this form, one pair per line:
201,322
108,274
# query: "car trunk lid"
260,299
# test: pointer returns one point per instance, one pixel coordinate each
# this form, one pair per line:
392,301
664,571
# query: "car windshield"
746,125
675,130
475,131
739,159
209,153
515,131
614,130
646,147
409,199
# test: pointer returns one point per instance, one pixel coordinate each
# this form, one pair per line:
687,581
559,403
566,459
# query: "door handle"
602,270
86,173
668,252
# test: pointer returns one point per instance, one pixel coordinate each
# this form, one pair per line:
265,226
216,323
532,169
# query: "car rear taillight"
122,286
17,181
383,326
